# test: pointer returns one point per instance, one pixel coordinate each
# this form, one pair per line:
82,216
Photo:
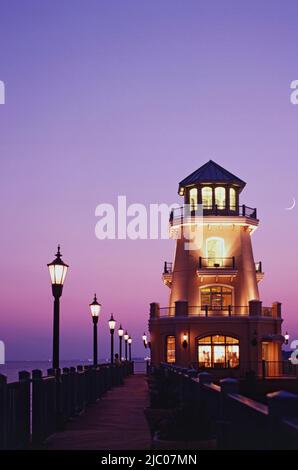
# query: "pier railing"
34,407
221,412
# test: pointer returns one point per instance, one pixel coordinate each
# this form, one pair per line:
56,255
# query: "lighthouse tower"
215,318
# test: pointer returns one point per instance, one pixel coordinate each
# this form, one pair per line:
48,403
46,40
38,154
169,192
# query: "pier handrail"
222,412
55,398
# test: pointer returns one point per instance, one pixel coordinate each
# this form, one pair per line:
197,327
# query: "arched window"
220,197
218,351
193,199
215,251
170,349
216,298
207,197
232,199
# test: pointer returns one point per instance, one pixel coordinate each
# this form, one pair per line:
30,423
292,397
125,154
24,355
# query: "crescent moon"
292,206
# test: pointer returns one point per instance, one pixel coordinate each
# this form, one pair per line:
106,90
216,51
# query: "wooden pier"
116,422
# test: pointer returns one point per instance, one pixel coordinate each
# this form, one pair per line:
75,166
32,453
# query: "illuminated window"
216,297
207,197
170,349
232,199
193,199
215,251
218,351
220,197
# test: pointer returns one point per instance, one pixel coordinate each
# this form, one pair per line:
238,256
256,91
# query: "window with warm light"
232,199
216,297
170,349
220,197
218,351
193,199
207,197
215,251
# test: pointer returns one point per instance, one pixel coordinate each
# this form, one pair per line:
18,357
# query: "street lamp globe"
129,340
126,336
95,308
120,331
58,270
144,338
112,323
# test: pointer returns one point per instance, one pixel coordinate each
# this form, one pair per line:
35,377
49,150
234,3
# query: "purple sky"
129,97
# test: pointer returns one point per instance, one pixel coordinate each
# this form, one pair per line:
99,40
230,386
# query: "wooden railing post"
38,423
224,424
24,418
281,405
3,412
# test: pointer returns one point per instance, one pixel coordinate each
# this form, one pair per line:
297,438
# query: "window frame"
167,351
212,344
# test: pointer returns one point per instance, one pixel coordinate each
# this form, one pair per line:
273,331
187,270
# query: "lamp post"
144,338
120,334
287,337
129,344
126,339
112,324
95,311
58,270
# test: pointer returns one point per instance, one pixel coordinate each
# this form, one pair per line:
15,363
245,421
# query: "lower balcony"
217,267
183,310
167,273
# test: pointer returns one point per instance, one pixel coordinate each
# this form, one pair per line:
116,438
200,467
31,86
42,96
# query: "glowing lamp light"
95,308
129,340
144,338
287,337
184,341
112,323
58,270
120,331
126,336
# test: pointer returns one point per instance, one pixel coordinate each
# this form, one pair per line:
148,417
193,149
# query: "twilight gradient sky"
113,97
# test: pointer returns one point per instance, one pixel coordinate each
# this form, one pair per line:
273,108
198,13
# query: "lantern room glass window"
220,197
232,199
170,349
193,199
207,197
218,352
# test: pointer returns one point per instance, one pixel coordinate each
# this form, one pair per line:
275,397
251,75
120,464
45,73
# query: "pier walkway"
116,422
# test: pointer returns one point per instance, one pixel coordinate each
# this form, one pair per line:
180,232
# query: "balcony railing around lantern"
179,214
217,263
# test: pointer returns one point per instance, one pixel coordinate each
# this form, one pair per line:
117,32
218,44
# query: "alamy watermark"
294,93
294,355
139,222
2,92
2,352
